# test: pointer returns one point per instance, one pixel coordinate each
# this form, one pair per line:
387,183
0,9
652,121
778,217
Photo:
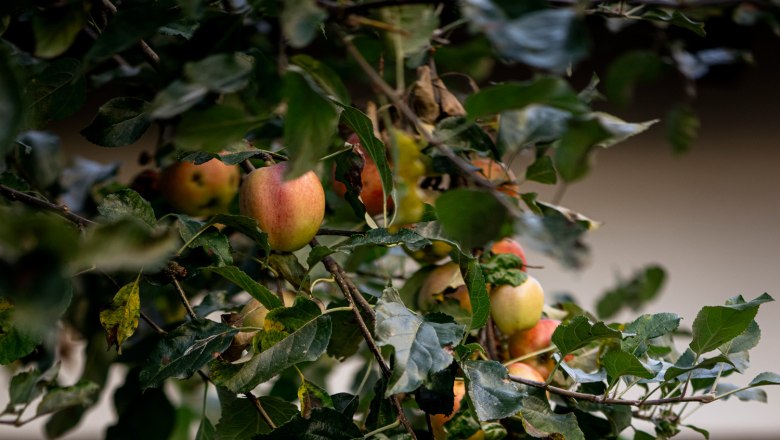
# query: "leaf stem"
393,425
259,406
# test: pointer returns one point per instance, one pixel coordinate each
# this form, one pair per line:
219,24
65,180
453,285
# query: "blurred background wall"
711,217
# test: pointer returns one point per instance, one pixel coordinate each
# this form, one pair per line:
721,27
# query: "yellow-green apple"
200,190
443,282
497,174
371,193
253,315
516,308
509,246
289,211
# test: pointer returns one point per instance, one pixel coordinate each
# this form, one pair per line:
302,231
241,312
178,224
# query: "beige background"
710,217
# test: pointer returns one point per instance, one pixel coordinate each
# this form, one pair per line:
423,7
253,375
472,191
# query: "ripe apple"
534,339
438,420
444,280
499,175
525,371
509,246
371,194
200,190
516,308
290,212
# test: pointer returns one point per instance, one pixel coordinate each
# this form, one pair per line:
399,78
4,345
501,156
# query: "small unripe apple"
199,190
497,174
516,308
371,193
290,212
509,246
445,280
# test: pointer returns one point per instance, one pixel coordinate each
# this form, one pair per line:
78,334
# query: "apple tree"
381,221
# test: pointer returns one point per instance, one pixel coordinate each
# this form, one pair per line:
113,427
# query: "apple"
501,176
525,371
432,253
253,315
509,246
516,308
200,190
289,211
443,280
371,194
438,420
534,339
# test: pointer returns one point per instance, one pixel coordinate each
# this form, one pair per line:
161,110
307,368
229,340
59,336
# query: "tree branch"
62,210
256,402
152,324
183,298
149,53
351,293
704,398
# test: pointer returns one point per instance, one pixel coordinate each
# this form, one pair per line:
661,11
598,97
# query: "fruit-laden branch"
351,293
464,167
704,398
62,210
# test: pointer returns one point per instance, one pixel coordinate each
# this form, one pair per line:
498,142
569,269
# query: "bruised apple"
289,211
371,193
199,190
509,246
443,282
516,308
499,175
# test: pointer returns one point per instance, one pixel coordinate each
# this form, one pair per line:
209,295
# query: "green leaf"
120,319
682,128
458,132
24,387
703,432
326,78
213,129
628,70
290,269
11,102
119,122
634,293
83,393
244,281
14,342
129,26
176,98
552,39
283,321
418,22
362,126
685,364
618,363
310,123
346,403
346,336
676,18
58,91
382,237
745,395
317,254
324,423
557,234
744,342
550,91
246,225
312,397
126,203
540,421
764,379
418,350
478,294
580,332
494,396
181,352
647,327
573,153
471,227
206,431
542,170
56,29
716,325
504,269
308,343
240,419
535,124
221,73
300,21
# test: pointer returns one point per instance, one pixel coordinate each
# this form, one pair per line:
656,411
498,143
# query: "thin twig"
338,232
152,324
256,402
149,53
62,210
704,398
183,298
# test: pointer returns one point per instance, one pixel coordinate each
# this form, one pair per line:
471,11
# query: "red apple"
516,308
199,190
525,371
371,194
509,246
289,211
